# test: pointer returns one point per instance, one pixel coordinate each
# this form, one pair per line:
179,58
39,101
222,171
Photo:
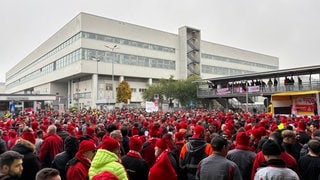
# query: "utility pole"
112,61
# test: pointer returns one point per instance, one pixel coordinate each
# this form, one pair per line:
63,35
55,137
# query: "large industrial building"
85,60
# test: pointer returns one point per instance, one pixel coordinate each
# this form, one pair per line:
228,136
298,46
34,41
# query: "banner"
238,90
304,105
222,91
151,106
253,88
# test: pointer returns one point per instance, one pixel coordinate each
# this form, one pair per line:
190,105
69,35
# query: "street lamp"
112,61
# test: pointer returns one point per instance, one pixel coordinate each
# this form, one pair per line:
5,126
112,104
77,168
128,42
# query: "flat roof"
267,74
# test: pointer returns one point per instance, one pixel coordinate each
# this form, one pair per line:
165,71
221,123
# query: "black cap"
270,147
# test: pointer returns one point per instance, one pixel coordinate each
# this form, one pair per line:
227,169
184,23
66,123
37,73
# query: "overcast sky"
287,29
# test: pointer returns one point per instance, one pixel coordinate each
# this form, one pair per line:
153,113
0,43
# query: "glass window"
109,39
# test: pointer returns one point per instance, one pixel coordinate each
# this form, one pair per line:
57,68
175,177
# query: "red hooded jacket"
80,169
162,168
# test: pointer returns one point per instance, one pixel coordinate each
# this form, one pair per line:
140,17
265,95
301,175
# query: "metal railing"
233,91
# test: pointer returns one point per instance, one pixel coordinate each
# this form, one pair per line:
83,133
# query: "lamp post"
112,61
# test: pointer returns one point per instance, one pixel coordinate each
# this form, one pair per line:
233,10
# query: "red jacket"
163,168
147,152
50,147
260,161
79,170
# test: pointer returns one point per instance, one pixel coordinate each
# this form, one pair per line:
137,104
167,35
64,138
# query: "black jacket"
137,168
5,177
31,163
60,162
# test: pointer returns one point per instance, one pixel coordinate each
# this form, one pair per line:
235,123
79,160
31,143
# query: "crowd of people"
179,145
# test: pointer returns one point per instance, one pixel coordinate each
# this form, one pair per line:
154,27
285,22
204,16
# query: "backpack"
192,160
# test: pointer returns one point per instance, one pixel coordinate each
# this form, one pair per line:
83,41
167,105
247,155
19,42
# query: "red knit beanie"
86,145
154,131
134,131
71,128
198,131
109,143
90,131
242,139
256,133
29,136
135,143
161,144
34,125
179,136
105,175
301,126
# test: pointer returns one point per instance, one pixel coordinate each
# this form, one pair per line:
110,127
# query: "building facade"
85,61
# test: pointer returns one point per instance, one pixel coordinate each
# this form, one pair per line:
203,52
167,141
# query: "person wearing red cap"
89,134
136,167
77,168
242,155
34,125
165,166
12,138
107,159
179,140
147,152
193,152
28,134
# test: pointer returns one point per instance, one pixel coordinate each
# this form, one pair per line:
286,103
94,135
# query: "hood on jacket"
103,157
23,146
105,160
196,144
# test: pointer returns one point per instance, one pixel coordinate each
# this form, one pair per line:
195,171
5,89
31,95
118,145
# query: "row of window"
129,59
237,61
50,53
127,42
86,95
134,90
223,71
97,37
88,54
68,59
58,64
